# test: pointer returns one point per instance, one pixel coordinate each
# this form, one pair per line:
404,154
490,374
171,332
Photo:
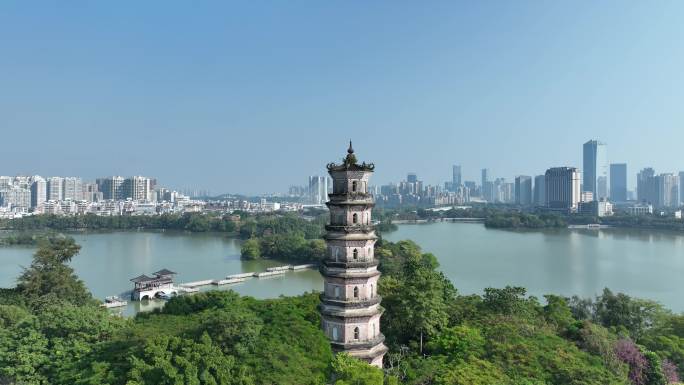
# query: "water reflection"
638,262
108,261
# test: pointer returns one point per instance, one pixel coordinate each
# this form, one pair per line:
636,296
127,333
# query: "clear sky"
254,96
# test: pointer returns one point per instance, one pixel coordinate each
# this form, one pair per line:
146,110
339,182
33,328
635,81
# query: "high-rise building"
681,187
562,186
618,182
596,169
539,190
16,198
73,189
318,189
485,177
350,307
5,182
137,188
38,191
455,177
91,193
667,190
646,186
412,177
523,190
111,187
489,192
55,188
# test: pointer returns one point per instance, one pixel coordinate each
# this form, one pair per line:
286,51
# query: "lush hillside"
51,332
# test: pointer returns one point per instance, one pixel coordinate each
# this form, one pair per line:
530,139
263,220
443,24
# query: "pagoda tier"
350,307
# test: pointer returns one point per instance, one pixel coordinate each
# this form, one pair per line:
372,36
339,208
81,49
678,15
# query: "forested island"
52,331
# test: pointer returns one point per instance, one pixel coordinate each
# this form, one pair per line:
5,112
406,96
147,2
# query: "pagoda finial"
351,158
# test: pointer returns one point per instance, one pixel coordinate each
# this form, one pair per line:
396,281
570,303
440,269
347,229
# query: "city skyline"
205,107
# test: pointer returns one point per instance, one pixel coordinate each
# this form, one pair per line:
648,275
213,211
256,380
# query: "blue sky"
254,96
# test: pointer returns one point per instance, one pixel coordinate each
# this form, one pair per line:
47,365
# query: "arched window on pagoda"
356,333
372,293
356,292
354,186
355,218
334,333
355,254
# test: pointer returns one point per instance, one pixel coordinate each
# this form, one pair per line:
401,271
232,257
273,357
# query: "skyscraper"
485,177
681,187
111,187
412,177
38,190
350,307
136,188
667,190
540,190
523,190
562,188
55,188
646,186
618,182
318,189
596,169
456,176
73,189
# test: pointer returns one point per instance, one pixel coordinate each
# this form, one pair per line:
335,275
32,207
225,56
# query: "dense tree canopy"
51,332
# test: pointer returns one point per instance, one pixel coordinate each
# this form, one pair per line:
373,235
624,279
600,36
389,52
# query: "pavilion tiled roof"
164,272
142,278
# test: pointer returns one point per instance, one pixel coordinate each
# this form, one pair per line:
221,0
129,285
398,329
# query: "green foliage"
508,301
415,294
557,312
54,334
50,275
196,222
458,342
251,249
522,220
654,373
619,310
350,371
286,237
174,360
284,247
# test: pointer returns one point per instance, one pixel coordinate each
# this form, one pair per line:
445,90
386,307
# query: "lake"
108,260
640,263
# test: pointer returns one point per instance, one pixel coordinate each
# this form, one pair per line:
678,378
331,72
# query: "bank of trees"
195,222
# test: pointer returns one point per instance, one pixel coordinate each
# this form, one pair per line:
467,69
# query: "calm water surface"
640,263
637,262
108,261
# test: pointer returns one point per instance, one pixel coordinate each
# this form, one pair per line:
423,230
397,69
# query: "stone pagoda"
350,306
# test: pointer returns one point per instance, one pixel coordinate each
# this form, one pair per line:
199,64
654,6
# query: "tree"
351,371
175,360
50,275
458,342
557,312
251,249
620,310
416,301
509,300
